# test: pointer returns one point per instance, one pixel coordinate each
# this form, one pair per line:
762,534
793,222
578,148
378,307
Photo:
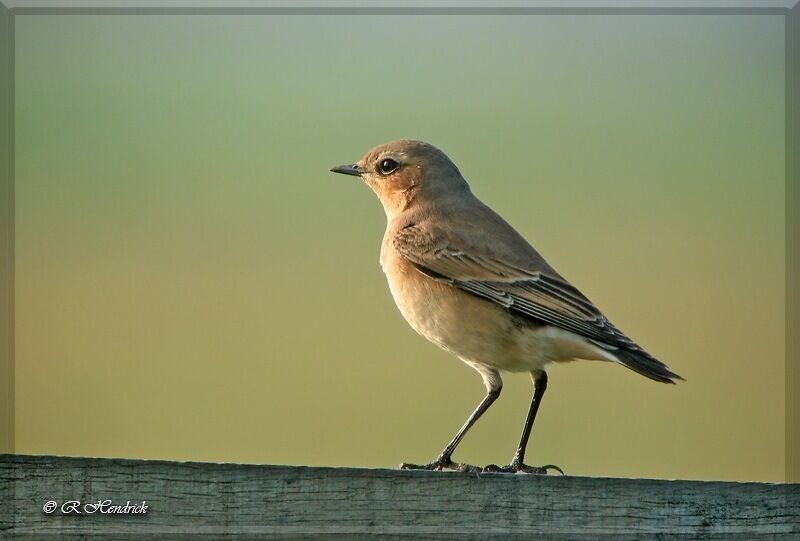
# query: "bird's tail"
645,364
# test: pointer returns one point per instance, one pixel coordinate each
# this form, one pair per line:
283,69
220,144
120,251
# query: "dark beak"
352,169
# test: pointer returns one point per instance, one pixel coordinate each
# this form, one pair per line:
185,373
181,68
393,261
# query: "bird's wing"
540,295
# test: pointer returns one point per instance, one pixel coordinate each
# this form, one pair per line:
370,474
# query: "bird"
466,280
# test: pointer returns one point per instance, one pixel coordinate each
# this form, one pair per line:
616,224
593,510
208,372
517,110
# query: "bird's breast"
471,328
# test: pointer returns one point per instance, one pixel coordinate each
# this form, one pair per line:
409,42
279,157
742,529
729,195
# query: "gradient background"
192,283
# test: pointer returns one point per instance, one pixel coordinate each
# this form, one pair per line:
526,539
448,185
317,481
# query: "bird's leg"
444,461
539,387
518,462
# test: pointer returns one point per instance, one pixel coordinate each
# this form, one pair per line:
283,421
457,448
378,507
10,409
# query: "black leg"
539,387
482,407
445,458
518,462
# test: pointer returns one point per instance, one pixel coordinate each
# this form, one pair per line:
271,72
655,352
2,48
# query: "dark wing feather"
534,294
540,295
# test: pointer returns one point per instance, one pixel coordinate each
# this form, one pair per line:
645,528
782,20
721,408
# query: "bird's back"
476,228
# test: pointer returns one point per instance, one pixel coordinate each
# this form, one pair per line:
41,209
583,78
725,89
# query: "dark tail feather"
646,365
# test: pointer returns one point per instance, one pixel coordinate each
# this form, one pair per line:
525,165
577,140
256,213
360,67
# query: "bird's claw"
441,465
522,468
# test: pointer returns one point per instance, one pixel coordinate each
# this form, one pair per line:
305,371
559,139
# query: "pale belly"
477,331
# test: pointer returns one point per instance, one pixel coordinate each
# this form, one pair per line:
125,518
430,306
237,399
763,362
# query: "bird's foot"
441,464
519,467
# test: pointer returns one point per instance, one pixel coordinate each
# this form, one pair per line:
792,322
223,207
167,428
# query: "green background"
192,283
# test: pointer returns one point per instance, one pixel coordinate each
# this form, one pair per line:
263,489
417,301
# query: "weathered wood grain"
189,499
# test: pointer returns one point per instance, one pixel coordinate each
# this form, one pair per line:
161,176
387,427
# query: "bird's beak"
352,169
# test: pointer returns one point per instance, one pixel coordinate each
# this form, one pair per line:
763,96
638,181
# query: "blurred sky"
193,284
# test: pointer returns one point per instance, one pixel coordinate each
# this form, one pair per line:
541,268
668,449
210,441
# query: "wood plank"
203,498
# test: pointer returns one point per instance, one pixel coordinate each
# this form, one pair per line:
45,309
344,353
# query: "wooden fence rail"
187,500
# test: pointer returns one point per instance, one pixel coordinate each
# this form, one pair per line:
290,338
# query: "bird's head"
406,172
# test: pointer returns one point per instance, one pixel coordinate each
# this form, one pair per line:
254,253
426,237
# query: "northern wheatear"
467,281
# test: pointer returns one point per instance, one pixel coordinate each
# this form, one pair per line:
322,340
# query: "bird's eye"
387,166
